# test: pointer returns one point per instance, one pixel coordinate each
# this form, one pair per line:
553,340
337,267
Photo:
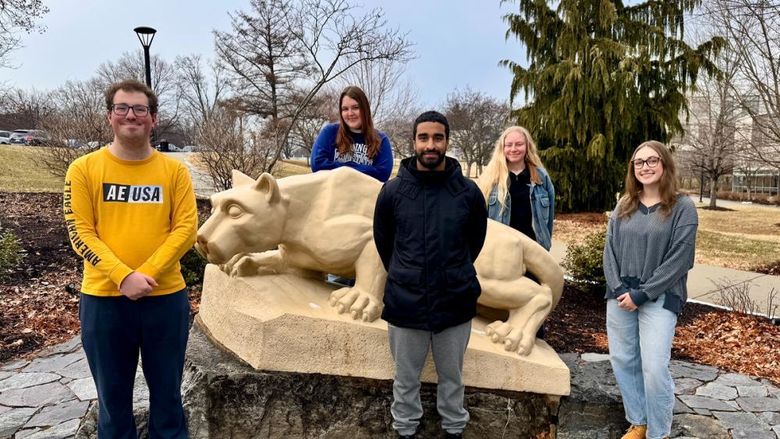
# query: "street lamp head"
145,35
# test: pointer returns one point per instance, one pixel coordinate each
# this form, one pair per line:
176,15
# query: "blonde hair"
668,187
496,171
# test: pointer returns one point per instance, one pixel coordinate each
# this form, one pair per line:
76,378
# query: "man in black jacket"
429,226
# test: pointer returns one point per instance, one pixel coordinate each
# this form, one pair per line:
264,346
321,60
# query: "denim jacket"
542,208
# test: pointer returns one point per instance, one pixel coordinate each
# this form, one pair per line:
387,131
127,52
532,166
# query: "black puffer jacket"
429,228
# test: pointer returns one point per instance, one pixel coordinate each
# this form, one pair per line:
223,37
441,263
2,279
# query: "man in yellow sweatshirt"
130,213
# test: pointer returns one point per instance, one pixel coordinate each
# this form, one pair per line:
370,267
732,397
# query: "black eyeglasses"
123,109
652,162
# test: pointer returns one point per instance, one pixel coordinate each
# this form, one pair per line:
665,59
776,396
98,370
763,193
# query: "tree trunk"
713,192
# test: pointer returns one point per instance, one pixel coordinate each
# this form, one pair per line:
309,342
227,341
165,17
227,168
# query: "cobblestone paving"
48,397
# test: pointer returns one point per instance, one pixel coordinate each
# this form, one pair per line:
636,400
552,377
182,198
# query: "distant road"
204,187
731,204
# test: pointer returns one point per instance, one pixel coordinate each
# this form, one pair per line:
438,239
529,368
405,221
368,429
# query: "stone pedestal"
226,397
284,323
594,409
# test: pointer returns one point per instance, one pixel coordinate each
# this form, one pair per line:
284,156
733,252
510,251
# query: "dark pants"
113,332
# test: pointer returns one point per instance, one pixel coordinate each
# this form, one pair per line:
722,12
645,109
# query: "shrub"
192,263
192,267
584,262
11,253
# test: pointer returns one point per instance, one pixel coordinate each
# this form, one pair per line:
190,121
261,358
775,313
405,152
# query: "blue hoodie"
325,155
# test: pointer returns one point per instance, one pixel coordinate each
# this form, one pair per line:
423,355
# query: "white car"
5,137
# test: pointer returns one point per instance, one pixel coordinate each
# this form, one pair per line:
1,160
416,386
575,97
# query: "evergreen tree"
602,77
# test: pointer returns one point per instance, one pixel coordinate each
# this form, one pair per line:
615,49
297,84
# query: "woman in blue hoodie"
354,141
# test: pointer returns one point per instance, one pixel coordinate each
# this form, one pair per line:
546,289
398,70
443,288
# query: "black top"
429,228
520,190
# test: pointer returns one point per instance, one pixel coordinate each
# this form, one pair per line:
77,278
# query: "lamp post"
145,36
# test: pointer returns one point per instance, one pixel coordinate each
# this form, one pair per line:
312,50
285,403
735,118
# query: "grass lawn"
753,221
286,168
743,238
20,173
732,251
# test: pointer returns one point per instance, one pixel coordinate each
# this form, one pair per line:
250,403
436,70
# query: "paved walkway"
201,181
730,204
48,397
710,403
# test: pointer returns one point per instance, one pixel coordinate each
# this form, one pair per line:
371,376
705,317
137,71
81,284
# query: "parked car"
29,137
36,137
165,146
5,137
74,143
18,136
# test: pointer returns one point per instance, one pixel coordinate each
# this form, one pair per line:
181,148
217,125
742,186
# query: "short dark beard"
427,164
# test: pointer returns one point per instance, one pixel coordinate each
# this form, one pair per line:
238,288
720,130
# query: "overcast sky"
458,43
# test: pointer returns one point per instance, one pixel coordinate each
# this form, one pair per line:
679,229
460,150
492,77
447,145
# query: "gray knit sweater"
649,254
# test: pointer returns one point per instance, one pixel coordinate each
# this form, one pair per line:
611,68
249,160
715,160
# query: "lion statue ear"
241,179
266,185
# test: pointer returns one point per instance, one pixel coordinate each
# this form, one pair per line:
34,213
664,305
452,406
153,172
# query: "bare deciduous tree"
399,130
711,141
18,16
280,54
393,100
383,81
322,110
25,109
476,121
229,143
752,28
199,91
77,126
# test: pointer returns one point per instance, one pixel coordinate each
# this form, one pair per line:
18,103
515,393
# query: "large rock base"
226,398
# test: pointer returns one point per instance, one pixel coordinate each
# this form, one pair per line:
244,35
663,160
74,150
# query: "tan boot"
636,432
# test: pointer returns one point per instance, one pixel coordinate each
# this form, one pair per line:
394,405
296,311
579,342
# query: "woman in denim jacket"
517,188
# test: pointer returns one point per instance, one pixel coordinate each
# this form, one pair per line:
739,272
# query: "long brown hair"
496,171
343,140
668,186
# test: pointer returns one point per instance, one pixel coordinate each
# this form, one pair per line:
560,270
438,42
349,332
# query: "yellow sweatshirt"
127,215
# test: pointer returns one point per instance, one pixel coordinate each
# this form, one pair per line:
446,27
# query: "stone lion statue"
322,223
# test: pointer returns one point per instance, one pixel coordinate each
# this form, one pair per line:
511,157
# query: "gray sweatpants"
409,348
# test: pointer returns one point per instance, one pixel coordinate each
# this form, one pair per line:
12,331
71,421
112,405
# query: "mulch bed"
717,208
36,311
771,268
585,218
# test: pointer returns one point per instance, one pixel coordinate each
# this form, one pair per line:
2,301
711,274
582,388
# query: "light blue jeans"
640,346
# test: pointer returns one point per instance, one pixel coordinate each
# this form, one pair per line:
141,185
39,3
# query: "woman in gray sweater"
649,249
